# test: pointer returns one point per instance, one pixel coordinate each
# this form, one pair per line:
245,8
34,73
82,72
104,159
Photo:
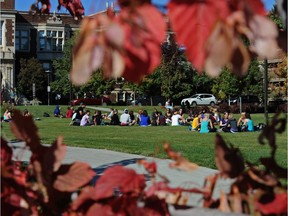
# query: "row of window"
48,40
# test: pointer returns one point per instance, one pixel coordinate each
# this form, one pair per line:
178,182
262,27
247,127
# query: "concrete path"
101,159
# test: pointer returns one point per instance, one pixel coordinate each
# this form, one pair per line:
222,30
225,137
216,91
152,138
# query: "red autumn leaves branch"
212,32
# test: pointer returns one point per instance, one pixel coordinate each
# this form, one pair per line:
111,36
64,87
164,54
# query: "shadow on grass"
99,170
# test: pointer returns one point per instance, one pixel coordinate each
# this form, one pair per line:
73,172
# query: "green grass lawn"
198,148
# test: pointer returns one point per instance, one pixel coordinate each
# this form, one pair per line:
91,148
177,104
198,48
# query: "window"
22,40
51,40
2,33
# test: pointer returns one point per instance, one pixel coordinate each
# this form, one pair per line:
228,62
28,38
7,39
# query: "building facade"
25,36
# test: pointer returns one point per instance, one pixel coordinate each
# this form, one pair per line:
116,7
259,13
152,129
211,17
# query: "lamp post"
48,86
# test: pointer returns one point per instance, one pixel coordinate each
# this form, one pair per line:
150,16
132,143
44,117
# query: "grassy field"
147,141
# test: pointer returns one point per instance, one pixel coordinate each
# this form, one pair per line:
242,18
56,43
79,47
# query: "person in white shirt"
175,119
125,119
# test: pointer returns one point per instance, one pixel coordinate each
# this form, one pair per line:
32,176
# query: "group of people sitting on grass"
204,122
8,115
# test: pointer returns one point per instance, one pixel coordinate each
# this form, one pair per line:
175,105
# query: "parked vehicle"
200,99
92,101
146,101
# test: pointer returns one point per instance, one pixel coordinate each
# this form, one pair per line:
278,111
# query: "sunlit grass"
197,147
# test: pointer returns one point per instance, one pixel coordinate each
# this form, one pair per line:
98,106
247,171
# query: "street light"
48,86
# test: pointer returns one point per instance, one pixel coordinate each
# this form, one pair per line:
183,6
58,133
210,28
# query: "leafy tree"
274,16
32,72
175,72
97,85
252,83
227,84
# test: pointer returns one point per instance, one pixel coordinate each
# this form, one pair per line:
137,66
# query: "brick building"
25,36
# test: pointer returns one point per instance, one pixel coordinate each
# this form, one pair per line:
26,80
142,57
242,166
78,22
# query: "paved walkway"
101,159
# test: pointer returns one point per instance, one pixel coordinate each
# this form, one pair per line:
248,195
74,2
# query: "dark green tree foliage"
274,16
176,73
201,83
227,84
97,85
32,72
253,81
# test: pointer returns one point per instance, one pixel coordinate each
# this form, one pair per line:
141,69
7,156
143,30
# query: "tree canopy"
32,72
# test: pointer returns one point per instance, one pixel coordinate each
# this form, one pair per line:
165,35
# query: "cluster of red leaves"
128,45
44,9
254,190
74,7
46,185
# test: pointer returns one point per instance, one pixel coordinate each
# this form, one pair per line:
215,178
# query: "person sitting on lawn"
125,119
57,111
7,116
79,114
196,122
182,120
115,118
242,122
138,116
69,112
144,119
168,116
224,120
85,121
231,124
154,117
97,118
249,123
109,116
205,123
161,121
26,113
175,119
132,117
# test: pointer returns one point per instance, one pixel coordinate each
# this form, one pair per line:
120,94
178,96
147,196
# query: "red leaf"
102,210
151,167
45,7
87,52
23,128
180,162
193,22
51,157
6,153
144,33
256,6
71,177
86,194
228,160
74,7
277,206
119,178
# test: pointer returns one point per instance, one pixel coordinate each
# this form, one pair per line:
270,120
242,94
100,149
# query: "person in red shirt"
69,112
